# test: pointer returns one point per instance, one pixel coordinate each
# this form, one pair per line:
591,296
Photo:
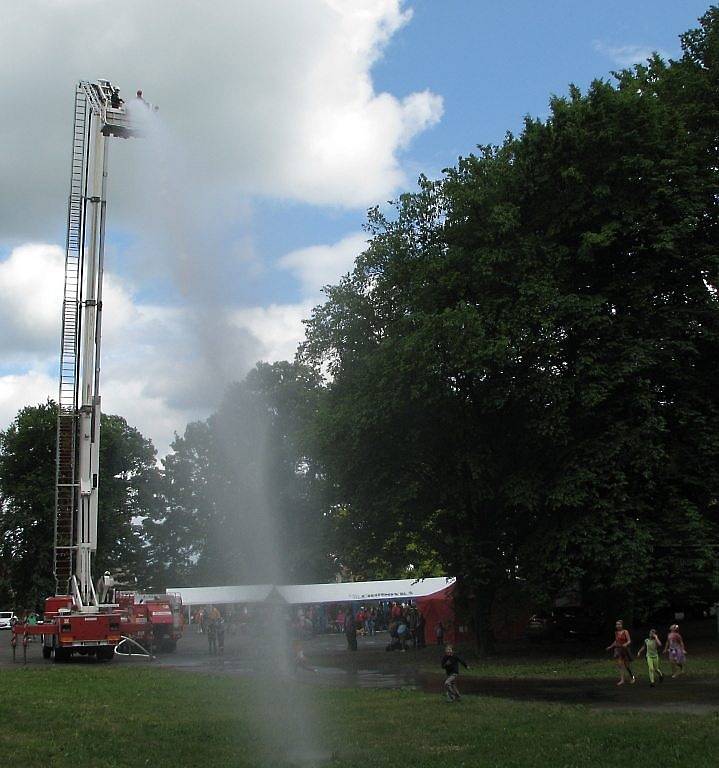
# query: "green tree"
244,500
521,362
128,489
27,499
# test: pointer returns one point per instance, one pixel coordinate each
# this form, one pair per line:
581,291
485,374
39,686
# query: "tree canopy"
522,361
243,497
515,385
128,489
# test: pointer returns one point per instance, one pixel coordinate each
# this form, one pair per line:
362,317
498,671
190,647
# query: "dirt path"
685,694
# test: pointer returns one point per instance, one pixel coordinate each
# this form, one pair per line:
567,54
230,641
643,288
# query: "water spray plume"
189,239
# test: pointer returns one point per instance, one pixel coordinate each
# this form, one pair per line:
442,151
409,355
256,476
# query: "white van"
7,619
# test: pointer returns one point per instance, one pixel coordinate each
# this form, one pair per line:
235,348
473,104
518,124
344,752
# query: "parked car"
565,624
7,619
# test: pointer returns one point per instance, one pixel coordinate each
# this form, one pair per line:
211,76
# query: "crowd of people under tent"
403,620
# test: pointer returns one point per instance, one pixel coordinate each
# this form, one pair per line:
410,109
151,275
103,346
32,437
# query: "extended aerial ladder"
78,427
76,619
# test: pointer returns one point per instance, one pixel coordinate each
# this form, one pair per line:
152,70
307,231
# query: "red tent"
439,607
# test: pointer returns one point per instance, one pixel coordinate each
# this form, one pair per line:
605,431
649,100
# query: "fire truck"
79,618
158,619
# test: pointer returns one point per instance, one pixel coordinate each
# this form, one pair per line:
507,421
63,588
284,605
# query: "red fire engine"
80,618
158,619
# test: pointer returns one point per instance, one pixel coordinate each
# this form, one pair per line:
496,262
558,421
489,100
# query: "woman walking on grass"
622,652
652,646
676,650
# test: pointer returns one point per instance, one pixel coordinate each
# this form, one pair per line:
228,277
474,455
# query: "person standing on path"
211,634
220,635
676,650
412,624
622,652
351,631
651,646
450,665
370,621
439,633
420,630
212,622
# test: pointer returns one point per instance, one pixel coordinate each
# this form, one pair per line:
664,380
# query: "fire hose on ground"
125,639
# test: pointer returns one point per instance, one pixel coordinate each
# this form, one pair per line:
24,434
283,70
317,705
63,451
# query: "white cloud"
267,97
162,366
31,285
30,297
627,55
19,390
278,328
320,265
260,97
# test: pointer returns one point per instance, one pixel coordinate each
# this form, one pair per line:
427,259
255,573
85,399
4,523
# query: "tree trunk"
483,620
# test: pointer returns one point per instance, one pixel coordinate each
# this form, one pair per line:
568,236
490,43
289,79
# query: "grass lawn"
85,716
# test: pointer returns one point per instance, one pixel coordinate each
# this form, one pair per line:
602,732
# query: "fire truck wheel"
105,654
46,651
60,655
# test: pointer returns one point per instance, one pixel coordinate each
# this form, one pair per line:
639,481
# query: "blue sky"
281,123
493,63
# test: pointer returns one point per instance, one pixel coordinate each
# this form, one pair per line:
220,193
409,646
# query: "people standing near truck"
450,665
676,650
621,648
652,645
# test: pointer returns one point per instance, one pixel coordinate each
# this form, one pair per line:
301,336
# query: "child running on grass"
676,650
450,665
651,646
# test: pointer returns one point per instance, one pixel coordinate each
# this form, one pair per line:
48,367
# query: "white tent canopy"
255,593
301,594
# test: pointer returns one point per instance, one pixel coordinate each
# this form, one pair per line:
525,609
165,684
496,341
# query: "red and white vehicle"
77,619
158,619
